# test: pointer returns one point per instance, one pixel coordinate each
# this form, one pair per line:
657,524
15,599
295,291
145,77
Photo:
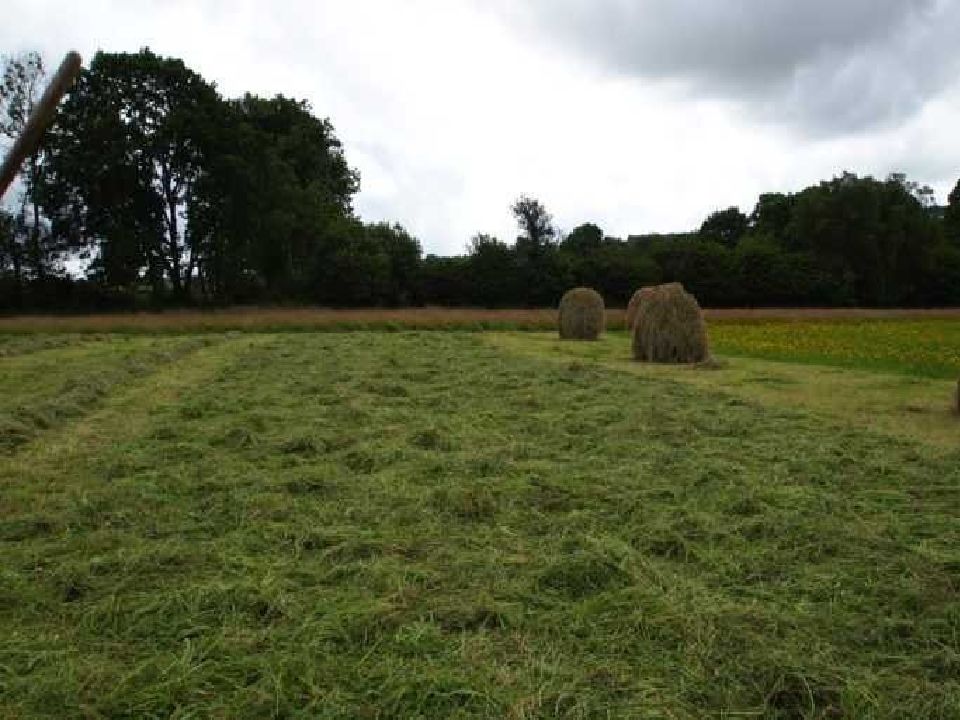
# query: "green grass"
19,344
39,390
896,402
442,525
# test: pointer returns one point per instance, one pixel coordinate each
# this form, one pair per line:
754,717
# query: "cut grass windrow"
42,389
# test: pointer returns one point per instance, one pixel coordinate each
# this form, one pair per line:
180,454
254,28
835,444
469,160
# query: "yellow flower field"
923,347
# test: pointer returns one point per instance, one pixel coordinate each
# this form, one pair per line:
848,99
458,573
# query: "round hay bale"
669,327
634,305
582,315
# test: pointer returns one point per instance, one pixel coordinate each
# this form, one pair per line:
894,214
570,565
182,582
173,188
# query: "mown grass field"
461,524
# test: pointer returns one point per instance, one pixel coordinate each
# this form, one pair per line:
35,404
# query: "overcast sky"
639,115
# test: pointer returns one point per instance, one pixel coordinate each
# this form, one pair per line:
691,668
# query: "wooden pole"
40,119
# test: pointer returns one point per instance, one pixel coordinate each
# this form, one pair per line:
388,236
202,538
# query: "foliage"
9,249
372,265
169,184
449,282
951,219
20,88
179,196
494,273
725,227
276,199
126,155
876,233
29,251
536,226
583,240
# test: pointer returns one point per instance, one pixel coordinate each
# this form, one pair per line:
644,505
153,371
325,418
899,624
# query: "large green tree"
366,265
494,278
126,159
725,227
771,216
275,200
878,233
544,272
583,239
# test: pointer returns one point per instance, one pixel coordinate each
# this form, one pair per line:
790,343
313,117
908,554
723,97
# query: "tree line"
167,193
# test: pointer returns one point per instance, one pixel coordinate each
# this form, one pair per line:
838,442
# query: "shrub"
634,306
582,314
669,327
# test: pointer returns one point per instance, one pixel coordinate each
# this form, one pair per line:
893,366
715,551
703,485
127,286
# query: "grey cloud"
825,66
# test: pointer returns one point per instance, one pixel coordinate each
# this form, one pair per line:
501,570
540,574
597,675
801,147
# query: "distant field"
292,319
477,525
927,347
923,342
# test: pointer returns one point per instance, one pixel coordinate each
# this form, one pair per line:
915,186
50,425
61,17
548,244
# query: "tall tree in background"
494,278
543,272
21,86
368,265
170,188
536,225
725,227
922,193
317,183
403,253
771,216
9,252
125,162
876,234
583,239
275,201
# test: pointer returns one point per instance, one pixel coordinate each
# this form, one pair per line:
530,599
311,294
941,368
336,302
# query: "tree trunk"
17,265
173,231
188,280
202,277
35,249
156,270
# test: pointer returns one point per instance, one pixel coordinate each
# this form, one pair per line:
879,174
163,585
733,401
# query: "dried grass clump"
669,327
634,305
582,315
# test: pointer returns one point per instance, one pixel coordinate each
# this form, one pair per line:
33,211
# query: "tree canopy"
165,192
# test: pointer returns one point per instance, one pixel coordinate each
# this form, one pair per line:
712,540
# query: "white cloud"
451,110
